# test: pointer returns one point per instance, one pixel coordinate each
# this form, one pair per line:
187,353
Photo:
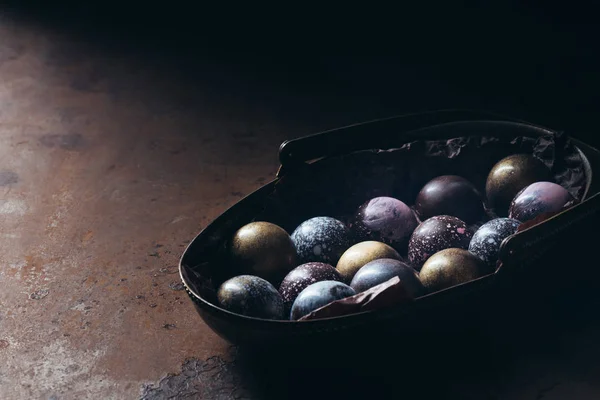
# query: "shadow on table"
487,360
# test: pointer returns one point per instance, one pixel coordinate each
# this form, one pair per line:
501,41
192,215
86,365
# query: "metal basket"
533,261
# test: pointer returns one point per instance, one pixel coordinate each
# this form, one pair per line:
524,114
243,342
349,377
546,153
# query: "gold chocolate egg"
361,253
450,267
509,176
263,249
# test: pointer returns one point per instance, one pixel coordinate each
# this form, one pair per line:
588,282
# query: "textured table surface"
110,164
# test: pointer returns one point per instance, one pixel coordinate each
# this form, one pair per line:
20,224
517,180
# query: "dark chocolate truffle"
384,269
321,239
252,296
486,241
263,249
450,267
303,276
361,253
509,176
450,195
435,234
385,219
538,198
318,295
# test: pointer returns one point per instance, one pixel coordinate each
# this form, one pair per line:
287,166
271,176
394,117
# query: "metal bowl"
533,260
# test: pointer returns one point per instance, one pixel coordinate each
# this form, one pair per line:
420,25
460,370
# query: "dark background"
534,60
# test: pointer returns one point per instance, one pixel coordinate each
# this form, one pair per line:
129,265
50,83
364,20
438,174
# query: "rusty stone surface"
107,169
109,165
215,378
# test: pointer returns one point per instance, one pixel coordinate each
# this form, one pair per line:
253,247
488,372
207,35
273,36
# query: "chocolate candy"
385,219
509,176
435,234
361,253
251,296
538,198
304,275
450,195
321,239
318,295
450,267
384,269
486,241
263,249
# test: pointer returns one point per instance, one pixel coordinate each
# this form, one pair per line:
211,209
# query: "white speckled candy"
321,239
488,238
252,296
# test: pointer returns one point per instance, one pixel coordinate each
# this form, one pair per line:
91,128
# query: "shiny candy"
263,249
318,295
450,195
321,239
385,219
361,253
509,176
384,269
538,198
251,296
450,267
488,238
435,234
303,276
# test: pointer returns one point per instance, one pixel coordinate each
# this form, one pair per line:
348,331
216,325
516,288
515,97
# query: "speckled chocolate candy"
384,269
252,296
450,195
435,234
385,219
321,239
318,295
486,241
538,198
450,267
303,276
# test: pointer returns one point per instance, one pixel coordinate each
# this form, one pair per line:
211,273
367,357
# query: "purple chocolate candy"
304,275
450,195
435,234
385,219
538,198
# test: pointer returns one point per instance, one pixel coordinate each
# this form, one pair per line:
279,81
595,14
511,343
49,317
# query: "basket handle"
296,152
